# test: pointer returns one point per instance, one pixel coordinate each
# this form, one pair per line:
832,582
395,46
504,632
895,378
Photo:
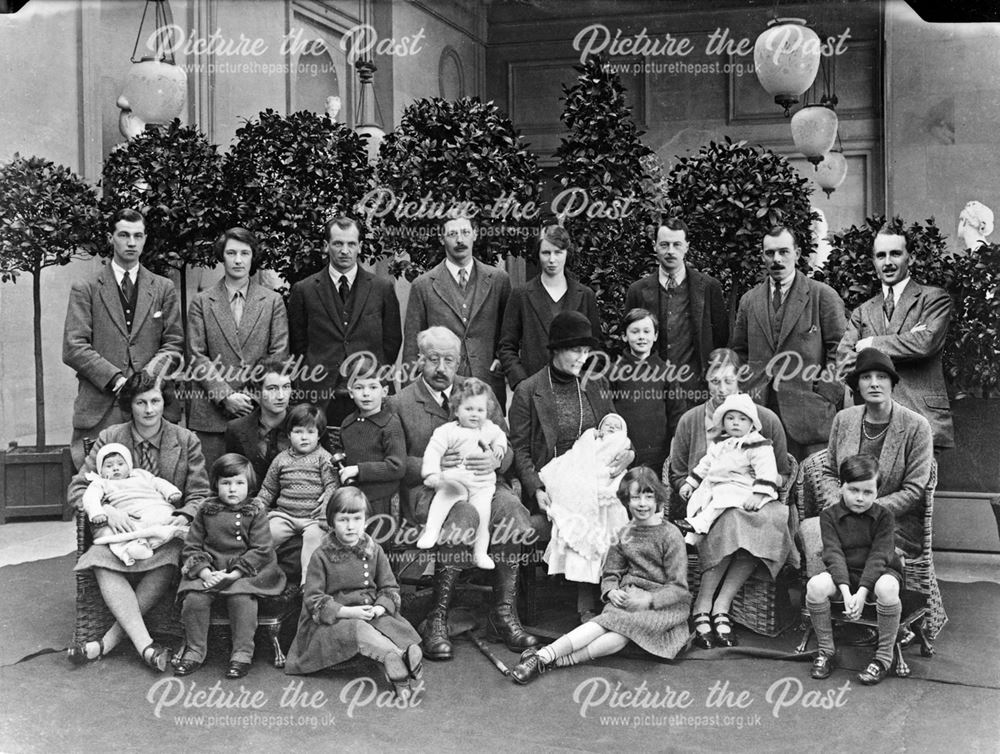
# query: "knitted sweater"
652,558
377,446
294,482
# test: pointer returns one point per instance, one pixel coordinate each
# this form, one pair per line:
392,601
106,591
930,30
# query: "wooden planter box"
34,482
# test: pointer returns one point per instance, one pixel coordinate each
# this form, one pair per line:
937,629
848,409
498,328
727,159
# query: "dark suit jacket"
709,318
916,355
526,320
811,330
432,302
98,345
213,338
181,463
317,331
533,424
241,437
904,468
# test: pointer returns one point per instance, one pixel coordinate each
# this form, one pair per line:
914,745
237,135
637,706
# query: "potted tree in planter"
730,194
286,175
48,216
174,177
603,156
449,155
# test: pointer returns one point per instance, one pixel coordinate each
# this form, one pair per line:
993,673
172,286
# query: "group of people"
686,433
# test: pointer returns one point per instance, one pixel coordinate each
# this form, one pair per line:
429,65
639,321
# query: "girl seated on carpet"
350,604
228,553
644,584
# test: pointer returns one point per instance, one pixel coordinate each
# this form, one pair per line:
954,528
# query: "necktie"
237,307
463,278
889,306
147,459
776,298
343,289
671,283
444,400
127,286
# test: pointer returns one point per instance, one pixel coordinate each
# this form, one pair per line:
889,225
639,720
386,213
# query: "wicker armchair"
762,604
919,572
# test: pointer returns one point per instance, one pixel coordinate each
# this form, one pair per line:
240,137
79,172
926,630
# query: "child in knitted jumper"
299,482
738,471
147,499
470,432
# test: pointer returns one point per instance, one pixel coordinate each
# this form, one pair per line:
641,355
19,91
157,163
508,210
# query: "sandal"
77,652
723,638
702,639
156,656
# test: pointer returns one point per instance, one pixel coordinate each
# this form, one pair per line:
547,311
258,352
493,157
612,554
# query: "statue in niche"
130,124
975,223
333,106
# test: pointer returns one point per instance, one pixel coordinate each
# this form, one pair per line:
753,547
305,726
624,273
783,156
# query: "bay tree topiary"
971,356
48,216
286,176
731,194
602,188
453,157
173,175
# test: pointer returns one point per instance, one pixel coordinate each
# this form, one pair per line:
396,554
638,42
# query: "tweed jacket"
526,321
904,468
709,318
434,302
181,463
420,414
806,346
318,333
98,345
216,347
533,424
241,437
916,355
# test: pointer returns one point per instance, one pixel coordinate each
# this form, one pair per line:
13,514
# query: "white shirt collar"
434,391
785,284
454,268
897,289
679,277
230,291
119,273
335,275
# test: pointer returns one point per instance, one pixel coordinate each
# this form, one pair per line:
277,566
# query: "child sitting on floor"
470,432
227,553
299,481
860,557
644,584
351,602
147,499
738,471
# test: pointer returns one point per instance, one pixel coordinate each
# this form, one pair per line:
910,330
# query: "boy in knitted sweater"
373,439
299,482
738,471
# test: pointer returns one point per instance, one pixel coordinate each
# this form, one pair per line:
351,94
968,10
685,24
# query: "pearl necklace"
869,437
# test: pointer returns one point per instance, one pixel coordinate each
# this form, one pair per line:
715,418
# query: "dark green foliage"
972,355
48,216
730,194
454,154
849,269
286,176
174,177
603,155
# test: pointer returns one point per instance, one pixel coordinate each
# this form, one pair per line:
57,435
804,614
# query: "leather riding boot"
504,624
434,629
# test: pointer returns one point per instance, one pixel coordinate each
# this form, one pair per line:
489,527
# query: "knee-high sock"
819,612
888,627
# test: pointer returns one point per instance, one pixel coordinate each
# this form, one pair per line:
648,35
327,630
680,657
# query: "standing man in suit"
692,315
422,406
469,298
908,322
788,329
122,320
339,311
231,326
